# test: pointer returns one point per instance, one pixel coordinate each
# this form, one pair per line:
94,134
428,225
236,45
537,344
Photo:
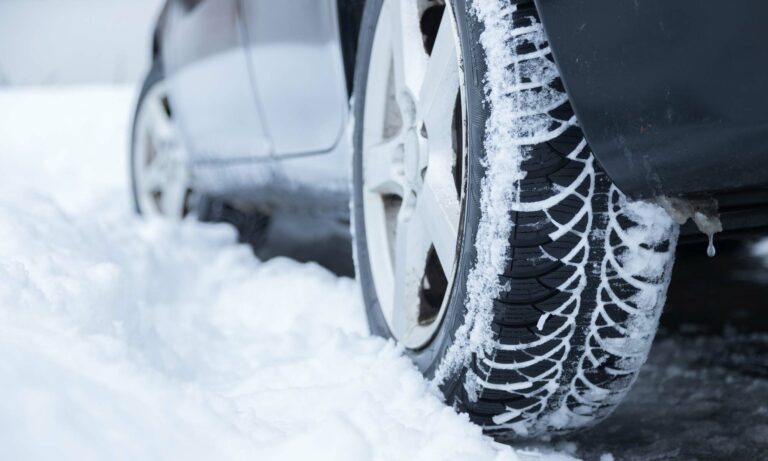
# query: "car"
516,173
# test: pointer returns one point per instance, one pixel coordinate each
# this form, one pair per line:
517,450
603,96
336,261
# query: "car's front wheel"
488,240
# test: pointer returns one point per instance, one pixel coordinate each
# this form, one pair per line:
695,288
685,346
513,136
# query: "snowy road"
124,339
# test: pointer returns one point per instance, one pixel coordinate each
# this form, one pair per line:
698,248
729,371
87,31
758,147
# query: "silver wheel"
413,164
160,168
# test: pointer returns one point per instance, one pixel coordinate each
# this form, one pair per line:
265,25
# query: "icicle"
711,247
702,212
709,225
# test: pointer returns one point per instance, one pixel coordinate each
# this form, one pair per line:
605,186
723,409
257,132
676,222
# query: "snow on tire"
585,271
560,279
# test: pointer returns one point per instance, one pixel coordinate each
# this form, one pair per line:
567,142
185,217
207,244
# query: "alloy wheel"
413,164
160,168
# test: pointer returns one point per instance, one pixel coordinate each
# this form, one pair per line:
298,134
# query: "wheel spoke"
437,96
383,167
173,199
411,250
438,207
154,177
408,150
408,55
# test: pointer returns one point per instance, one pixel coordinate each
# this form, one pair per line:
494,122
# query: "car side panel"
210,87
297,69
671,94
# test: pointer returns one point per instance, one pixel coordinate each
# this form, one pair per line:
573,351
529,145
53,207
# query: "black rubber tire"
570,381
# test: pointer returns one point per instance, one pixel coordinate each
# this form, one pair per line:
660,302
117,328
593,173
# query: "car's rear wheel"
160,176
488,240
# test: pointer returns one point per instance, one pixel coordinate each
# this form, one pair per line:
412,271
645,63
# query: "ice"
703,213
709,226
760,249
124,339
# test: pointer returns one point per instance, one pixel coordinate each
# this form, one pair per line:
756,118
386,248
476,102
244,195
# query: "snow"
506,140
127,339
760,250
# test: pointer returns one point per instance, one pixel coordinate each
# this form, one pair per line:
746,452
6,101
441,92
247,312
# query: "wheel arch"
157,33
680,112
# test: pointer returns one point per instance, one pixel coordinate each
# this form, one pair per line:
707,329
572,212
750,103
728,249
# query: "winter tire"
488,240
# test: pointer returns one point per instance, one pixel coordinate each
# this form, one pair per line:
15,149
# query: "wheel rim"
413,164
160,167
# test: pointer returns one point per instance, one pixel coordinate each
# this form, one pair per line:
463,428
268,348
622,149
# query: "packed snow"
127,339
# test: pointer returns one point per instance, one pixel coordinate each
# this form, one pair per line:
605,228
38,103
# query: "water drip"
709,225
711,247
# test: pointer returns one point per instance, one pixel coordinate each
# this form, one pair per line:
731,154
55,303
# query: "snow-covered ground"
125,339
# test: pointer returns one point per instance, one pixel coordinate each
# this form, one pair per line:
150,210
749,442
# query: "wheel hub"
416,160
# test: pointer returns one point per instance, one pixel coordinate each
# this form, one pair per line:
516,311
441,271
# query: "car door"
209,83
298,73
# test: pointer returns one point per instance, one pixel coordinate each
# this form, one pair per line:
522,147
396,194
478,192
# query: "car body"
278,135
680,113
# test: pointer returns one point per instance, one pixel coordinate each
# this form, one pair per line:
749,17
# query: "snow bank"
123,339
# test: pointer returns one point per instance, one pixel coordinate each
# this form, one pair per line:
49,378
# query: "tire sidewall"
428,359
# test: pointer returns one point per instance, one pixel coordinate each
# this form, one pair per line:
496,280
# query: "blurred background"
63,42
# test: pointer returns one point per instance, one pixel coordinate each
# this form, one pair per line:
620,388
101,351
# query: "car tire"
558,279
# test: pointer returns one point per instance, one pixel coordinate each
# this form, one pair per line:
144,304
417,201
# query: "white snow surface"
127,339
